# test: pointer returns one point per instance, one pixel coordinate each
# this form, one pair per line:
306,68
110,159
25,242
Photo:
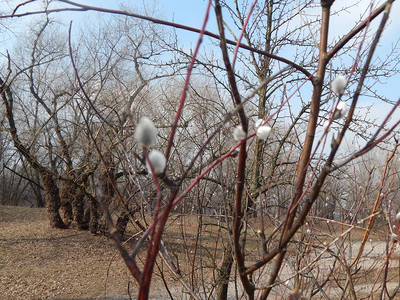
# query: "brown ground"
37,262
40,262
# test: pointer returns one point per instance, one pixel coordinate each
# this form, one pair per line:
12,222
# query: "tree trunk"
78,208
66,195
51,191
66,212
52,198
224,273
94,215
122,222
106,184
36,190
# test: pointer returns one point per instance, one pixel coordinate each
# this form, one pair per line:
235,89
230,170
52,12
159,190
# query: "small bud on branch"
239,134
338,85
157,161
146,132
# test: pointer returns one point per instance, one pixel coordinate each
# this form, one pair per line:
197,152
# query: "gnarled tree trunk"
91,215
52,197
66,202
78,202
122,222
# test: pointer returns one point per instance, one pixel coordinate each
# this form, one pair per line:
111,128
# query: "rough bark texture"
51,192
53,201
66,212
224,273
36,190
122,222
94,216
66,202
105,181
78,202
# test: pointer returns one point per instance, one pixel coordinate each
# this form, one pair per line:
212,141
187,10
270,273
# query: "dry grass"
37,262
40,262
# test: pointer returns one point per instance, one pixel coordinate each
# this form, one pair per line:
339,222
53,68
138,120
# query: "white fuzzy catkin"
146,132
398,216
239,134
326,126
341,110
157,161
342,106
339,84
263,132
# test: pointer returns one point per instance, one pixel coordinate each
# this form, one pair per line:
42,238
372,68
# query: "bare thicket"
294,208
